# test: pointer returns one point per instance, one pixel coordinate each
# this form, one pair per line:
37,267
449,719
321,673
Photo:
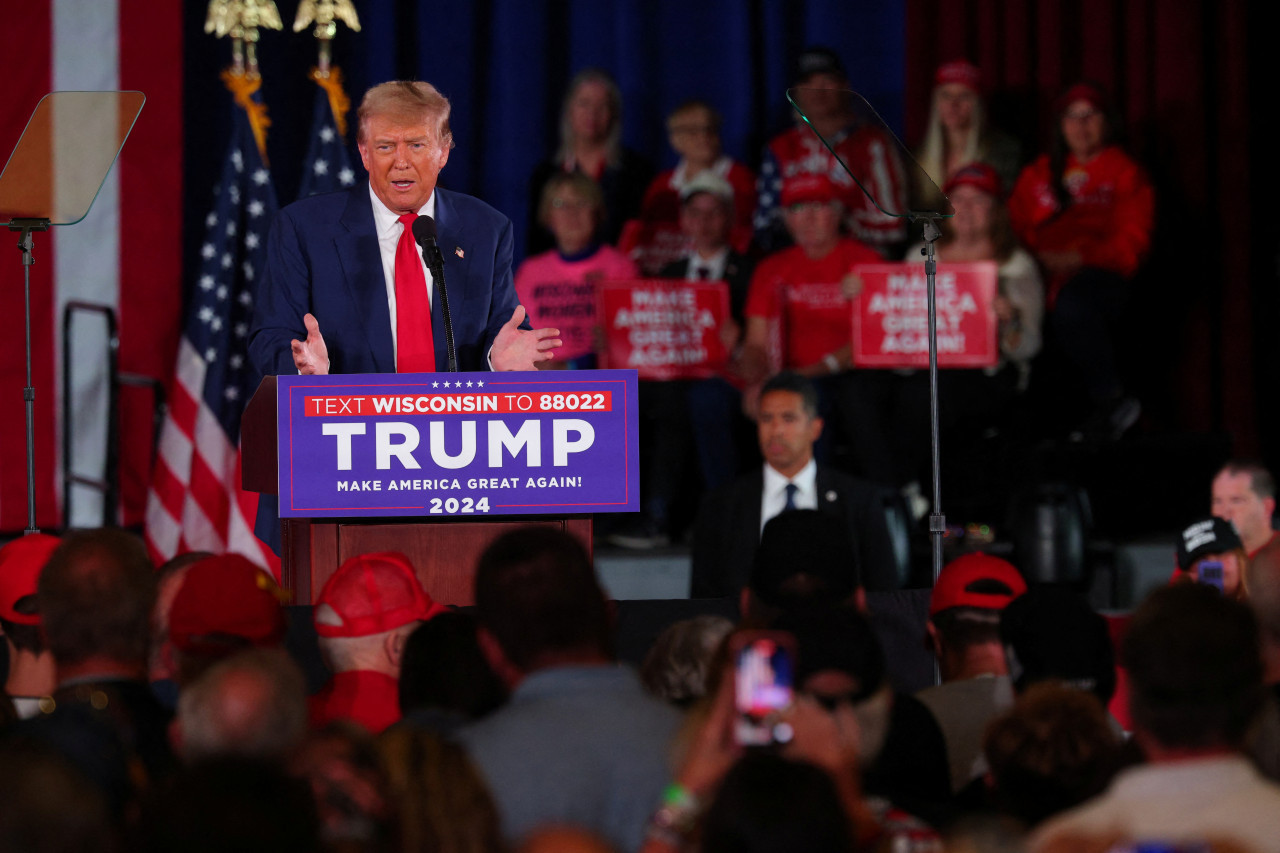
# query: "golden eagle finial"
325,14
241,19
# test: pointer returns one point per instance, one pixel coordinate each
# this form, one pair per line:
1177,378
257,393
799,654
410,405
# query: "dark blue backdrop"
504,65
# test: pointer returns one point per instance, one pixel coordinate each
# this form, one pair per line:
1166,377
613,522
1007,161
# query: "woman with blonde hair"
959,131
591,144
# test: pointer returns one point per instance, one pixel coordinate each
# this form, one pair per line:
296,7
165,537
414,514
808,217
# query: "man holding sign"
798,317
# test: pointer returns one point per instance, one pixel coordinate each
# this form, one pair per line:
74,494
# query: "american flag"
196,502
327,167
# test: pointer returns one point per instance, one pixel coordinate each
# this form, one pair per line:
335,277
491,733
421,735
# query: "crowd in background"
1068,230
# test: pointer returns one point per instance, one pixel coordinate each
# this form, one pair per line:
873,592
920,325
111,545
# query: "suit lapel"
829,496
361,261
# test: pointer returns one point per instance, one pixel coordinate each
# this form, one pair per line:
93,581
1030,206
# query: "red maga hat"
1087,92
960,71
21,562
223,599
373,593
978,175
976,580
808,187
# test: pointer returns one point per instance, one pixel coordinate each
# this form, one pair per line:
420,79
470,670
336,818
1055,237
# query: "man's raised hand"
311,356
521,349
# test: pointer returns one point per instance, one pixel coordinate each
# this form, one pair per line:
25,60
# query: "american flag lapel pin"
458,251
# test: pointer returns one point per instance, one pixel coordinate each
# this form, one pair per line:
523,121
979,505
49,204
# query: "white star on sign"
435,384
479,384
469,384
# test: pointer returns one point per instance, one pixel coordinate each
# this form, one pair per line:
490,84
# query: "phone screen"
1210,572
764,667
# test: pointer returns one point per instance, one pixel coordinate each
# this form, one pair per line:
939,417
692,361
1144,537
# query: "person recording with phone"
1210,552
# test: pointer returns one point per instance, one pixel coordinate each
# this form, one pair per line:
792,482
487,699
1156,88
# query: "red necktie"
415,346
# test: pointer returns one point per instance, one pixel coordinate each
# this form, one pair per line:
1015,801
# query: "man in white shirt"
731,519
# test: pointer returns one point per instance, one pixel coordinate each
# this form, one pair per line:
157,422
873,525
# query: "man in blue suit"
329,296
346,290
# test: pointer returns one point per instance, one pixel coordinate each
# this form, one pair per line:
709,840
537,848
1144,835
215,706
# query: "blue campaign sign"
458,444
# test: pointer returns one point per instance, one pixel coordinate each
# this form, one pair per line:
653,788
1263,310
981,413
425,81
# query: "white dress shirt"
389,228
774,497
714,266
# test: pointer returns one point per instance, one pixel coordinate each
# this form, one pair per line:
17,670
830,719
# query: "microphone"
424,232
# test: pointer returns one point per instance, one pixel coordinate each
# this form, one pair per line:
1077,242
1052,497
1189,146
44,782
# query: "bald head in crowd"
251,705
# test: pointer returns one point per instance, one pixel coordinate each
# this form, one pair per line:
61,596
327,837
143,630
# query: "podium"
444,550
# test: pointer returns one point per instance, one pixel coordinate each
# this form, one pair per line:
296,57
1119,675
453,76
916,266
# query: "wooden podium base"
444,551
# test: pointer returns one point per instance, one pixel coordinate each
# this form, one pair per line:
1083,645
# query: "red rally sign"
664,328
891,316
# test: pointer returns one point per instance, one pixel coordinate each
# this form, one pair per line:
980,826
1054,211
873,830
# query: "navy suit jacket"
323,258
727,532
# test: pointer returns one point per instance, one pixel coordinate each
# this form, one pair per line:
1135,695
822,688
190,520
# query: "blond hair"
406,102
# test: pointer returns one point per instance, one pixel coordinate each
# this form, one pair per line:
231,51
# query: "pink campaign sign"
891,316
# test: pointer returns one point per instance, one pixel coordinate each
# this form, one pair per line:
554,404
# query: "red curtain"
1179,74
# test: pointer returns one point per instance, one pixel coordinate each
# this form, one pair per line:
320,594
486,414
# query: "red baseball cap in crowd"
976,580
803,188
21,562
1087,92
224,600
978,175
373,593
960,71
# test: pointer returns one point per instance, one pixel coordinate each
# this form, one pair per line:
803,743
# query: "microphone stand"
25,243
435,262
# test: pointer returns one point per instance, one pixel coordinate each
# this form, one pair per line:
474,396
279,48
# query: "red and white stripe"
125,255
197,503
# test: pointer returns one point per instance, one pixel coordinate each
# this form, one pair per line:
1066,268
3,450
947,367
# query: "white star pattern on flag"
251,240
216,324
211,220
232,393
237,160
261,177
231,229
241,330
255,208
327,166
221,292
205,314
248,271
245,298
236,361
206,282
211,354
207,251
227,262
